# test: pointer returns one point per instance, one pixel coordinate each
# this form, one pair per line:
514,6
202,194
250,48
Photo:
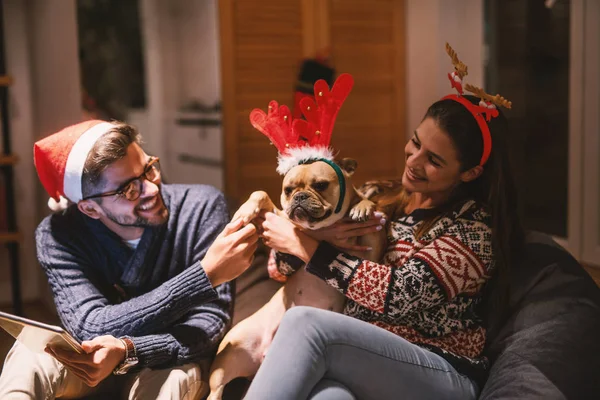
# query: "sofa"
547,348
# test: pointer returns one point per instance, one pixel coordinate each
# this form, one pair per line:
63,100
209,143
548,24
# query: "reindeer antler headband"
304,141
487,104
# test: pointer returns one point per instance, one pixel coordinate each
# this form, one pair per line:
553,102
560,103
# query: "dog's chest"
308,290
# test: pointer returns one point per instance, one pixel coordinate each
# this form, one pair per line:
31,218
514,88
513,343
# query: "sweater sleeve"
285,264
458,261
86,313
196,337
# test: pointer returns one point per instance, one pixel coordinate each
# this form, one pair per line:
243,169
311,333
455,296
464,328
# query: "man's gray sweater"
158,294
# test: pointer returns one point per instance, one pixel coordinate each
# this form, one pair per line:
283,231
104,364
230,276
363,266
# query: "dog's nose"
301,196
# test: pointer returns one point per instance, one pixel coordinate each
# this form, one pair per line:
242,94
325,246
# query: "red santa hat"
60,157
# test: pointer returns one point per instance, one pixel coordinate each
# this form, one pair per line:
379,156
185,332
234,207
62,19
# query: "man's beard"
137,221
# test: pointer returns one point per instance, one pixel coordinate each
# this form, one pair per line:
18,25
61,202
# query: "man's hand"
231,253
102,355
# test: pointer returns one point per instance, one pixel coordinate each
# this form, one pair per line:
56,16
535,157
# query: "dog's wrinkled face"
311,193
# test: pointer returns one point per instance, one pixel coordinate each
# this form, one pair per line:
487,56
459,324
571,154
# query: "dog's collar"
340,176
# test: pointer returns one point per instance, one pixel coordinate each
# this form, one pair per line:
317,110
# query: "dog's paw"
362,211
248,211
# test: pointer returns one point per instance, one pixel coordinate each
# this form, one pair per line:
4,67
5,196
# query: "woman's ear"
471,174
89,208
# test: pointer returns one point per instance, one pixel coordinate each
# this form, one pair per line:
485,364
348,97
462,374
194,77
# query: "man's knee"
27,372
184,376
22,360
184,382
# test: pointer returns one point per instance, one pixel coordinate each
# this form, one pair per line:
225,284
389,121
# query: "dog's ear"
349,165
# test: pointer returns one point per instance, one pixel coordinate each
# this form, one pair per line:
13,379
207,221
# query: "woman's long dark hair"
494,189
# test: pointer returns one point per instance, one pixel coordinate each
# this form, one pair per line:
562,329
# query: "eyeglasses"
132,189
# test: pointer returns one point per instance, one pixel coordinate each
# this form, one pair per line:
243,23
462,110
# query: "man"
138,271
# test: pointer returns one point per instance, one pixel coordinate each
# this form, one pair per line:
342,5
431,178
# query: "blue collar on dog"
340,175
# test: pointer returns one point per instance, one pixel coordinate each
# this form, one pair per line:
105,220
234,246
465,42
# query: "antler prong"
496,99
461,69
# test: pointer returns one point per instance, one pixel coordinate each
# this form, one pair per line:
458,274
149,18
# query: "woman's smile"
411,175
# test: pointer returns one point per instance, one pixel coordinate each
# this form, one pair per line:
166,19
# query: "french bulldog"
310,198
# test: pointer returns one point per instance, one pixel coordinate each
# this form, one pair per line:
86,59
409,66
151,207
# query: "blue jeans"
319,355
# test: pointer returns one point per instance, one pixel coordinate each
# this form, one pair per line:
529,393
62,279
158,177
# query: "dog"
311,195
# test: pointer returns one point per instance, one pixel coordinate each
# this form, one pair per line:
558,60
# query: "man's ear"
89,208
349,165
471,174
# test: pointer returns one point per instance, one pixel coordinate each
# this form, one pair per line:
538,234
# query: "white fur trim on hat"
58,205
77,157
294,156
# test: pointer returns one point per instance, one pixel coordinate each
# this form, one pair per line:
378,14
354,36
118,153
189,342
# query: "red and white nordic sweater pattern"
424,290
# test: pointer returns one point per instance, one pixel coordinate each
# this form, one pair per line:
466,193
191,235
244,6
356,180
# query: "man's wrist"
211,273
122,350
130,359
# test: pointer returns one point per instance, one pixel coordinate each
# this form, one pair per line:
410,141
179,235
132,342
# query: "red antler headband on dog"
300,140
486,107
304,141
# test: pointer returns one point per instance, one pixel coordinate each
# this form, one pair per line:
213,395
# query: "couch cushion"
548,348
253,288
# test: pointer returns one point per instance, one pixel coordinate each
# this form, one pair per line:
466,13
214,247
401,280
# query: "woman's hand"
343,233
282,235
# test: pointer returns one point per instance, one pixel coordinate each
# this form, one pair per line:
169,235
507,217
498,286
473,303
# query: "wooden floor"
36,311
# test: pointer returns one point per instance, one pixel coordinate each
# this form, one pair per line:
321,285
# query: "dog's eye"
287,190
320,186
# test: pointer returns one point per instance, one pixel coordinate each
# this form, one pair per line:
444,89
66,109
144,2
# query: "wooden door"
262,45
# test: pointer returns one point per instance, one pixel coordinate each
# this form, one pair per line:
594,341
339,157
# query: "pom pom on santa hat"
59,160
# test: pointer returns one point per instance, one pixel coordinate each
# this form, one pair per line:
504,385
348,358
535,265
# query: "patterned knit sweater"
424,290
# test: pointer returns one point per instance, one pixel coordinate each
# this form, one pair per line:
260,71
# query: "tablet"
36,335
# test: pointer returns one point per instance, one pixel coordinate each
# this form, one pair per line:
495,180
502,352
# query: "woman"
411,327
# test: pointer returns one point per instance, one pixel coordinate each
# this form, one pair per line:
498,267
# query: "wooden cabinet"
262,45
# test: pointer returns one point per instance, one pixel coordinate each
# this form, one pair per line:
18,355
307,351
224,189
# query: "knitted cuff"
324,264
192,287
